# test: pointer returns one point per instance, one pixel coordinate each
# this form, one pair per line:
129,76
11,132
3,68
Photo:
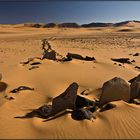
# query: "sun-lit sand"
18,43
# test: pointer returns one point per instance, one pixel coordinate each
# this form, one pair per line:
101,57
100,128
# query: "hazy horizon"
80,12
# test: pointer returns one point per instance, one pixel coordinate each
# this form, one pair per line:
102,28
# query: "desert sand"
18,43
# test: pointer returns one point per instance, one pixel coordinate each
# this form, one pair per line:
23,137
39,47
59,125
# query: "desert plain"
51,78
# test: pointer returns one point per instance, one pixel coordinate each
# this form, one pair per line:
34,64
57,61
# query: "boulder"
66,100
113,90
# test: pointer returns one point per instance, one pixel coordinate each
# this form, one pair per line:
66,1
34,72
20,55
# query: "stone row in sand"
51,54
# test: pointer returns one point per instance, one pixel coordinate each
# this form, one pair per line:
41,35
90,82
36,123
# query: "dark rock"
133,60
49,55
35,63
122,60
92,109
135,90
75,56
87,91
83,102
136,54
66,100
125,30
9,98
113,90
108,106
44,111
33,67
67,59
136,101
136,79
29,60
87,58
137,67
21,88
80,57
81,114
3,86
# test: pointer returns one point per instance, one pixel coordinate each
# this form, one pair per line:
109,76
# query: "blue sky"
69,11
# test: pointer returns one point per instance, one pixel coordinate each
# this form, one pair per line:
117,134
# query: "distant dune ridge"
129,23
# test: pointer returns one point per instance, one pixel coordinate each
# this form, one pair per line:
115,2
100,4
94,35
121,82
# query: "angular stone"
66,100
113,90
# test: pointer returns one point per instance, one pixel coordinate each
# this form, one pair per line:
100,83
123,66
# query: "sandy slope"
52,78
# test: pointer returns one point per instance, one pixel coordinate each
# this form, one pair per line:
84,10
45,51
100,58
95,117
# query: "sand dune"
52,78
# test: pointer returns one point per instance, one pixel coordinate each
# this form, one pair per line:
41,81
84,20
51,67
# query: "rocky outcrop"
49,25
96,24
69,25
